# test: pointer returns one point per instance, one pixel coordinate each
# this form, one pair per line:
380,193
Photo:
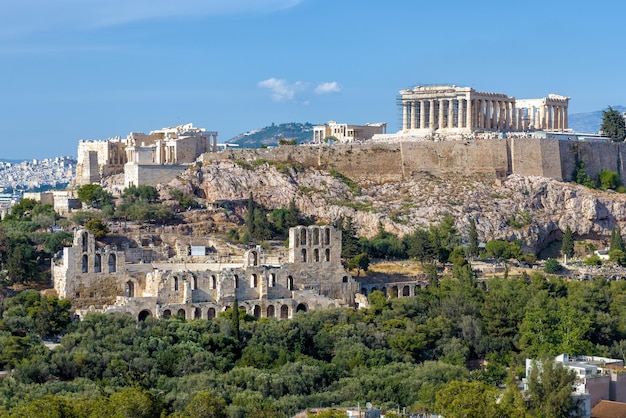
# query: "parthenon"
460,110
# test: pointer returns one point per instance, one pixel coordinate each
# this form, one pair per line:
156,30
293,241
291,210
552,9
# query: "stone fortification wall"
150,175
595,156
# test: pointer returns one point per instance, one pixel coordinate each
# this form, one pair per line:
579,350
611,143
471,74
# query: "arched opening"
129,289
254,258
210,313
254,281
316,255
344,279
301,307
364,291
85,263
175,284
384,290
181,313
257,311
272,280
112,263
327,254
271,311
327,236
406,291
236,281
84,241
213,282
374,288
167,313
143,315
284,312
97,263
316,236
197,314
290,283
195,283
303,255
394,292
303,236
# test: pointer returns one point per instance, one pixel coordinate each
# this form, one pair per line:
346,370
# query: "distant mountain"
589,123
270,135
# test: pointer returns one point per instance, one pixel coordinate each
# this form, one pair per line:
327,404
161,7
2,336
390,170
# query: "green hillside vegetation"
271,135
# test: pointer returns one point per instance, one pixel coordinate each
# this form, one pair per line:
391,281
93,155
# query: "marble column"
431,115
469,113
450,113
422,114
441,114
564,117
461,116
405,116
413,114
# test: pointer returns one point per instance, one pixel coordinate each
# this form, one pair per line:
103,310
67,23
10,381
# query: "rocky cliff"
533,209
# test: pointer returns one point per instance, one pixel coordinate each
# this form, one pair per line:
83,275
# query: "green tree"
472,250
97,228
467,399
549,391
94,195
617,242
567,245
609,180
349,240
235,320
552,266
419,246
613,125
359,262
206,405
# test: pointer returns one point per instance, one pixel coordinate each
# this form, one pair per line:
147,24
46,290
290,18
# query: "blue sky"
93,69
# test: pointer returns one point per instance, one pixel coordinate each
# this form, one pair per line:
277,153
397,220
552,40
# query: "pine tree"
567,246
473,239
349,239
617,242
235,319
613,125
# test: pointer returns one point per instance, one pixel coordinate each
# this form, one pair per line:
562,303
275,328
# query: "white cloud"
283,90
27,16
328,87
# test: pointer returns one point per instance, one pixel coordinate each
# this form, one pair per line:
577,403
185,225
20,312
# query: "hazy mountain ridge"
589,122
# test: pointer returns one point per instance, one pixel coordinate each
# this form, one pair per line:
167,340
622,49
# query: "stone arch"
374,288
284,311
316,236
175,283
143,315
236,280
210,314
290,282
97,263
344,279
364,291
327,254
181,312
326,236
254,280
129,289
84,241
303,236
195,282
213,282
112,263
254,258
303,255
394,292
167,313
316,255
197,313
256,311
271,311
384,290
272,280
406,291
301,307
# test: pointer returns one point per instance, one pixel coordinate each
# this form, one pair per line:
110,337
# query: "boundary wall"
491,158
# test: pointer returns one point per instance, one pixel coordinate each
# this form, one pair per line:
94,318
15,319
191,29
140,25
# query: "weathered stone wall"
496,158
150,175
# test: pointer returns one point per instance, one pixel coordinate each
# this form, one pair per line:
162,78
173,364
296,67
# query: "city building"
344,133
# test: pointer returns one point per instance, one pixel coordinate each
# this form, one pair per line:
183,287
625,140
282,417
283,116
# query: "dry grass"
402,267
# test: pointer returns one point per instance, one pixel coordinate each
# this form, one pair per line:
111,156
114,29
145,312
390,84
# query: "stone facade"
101,279
449,110
173,147
347,133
